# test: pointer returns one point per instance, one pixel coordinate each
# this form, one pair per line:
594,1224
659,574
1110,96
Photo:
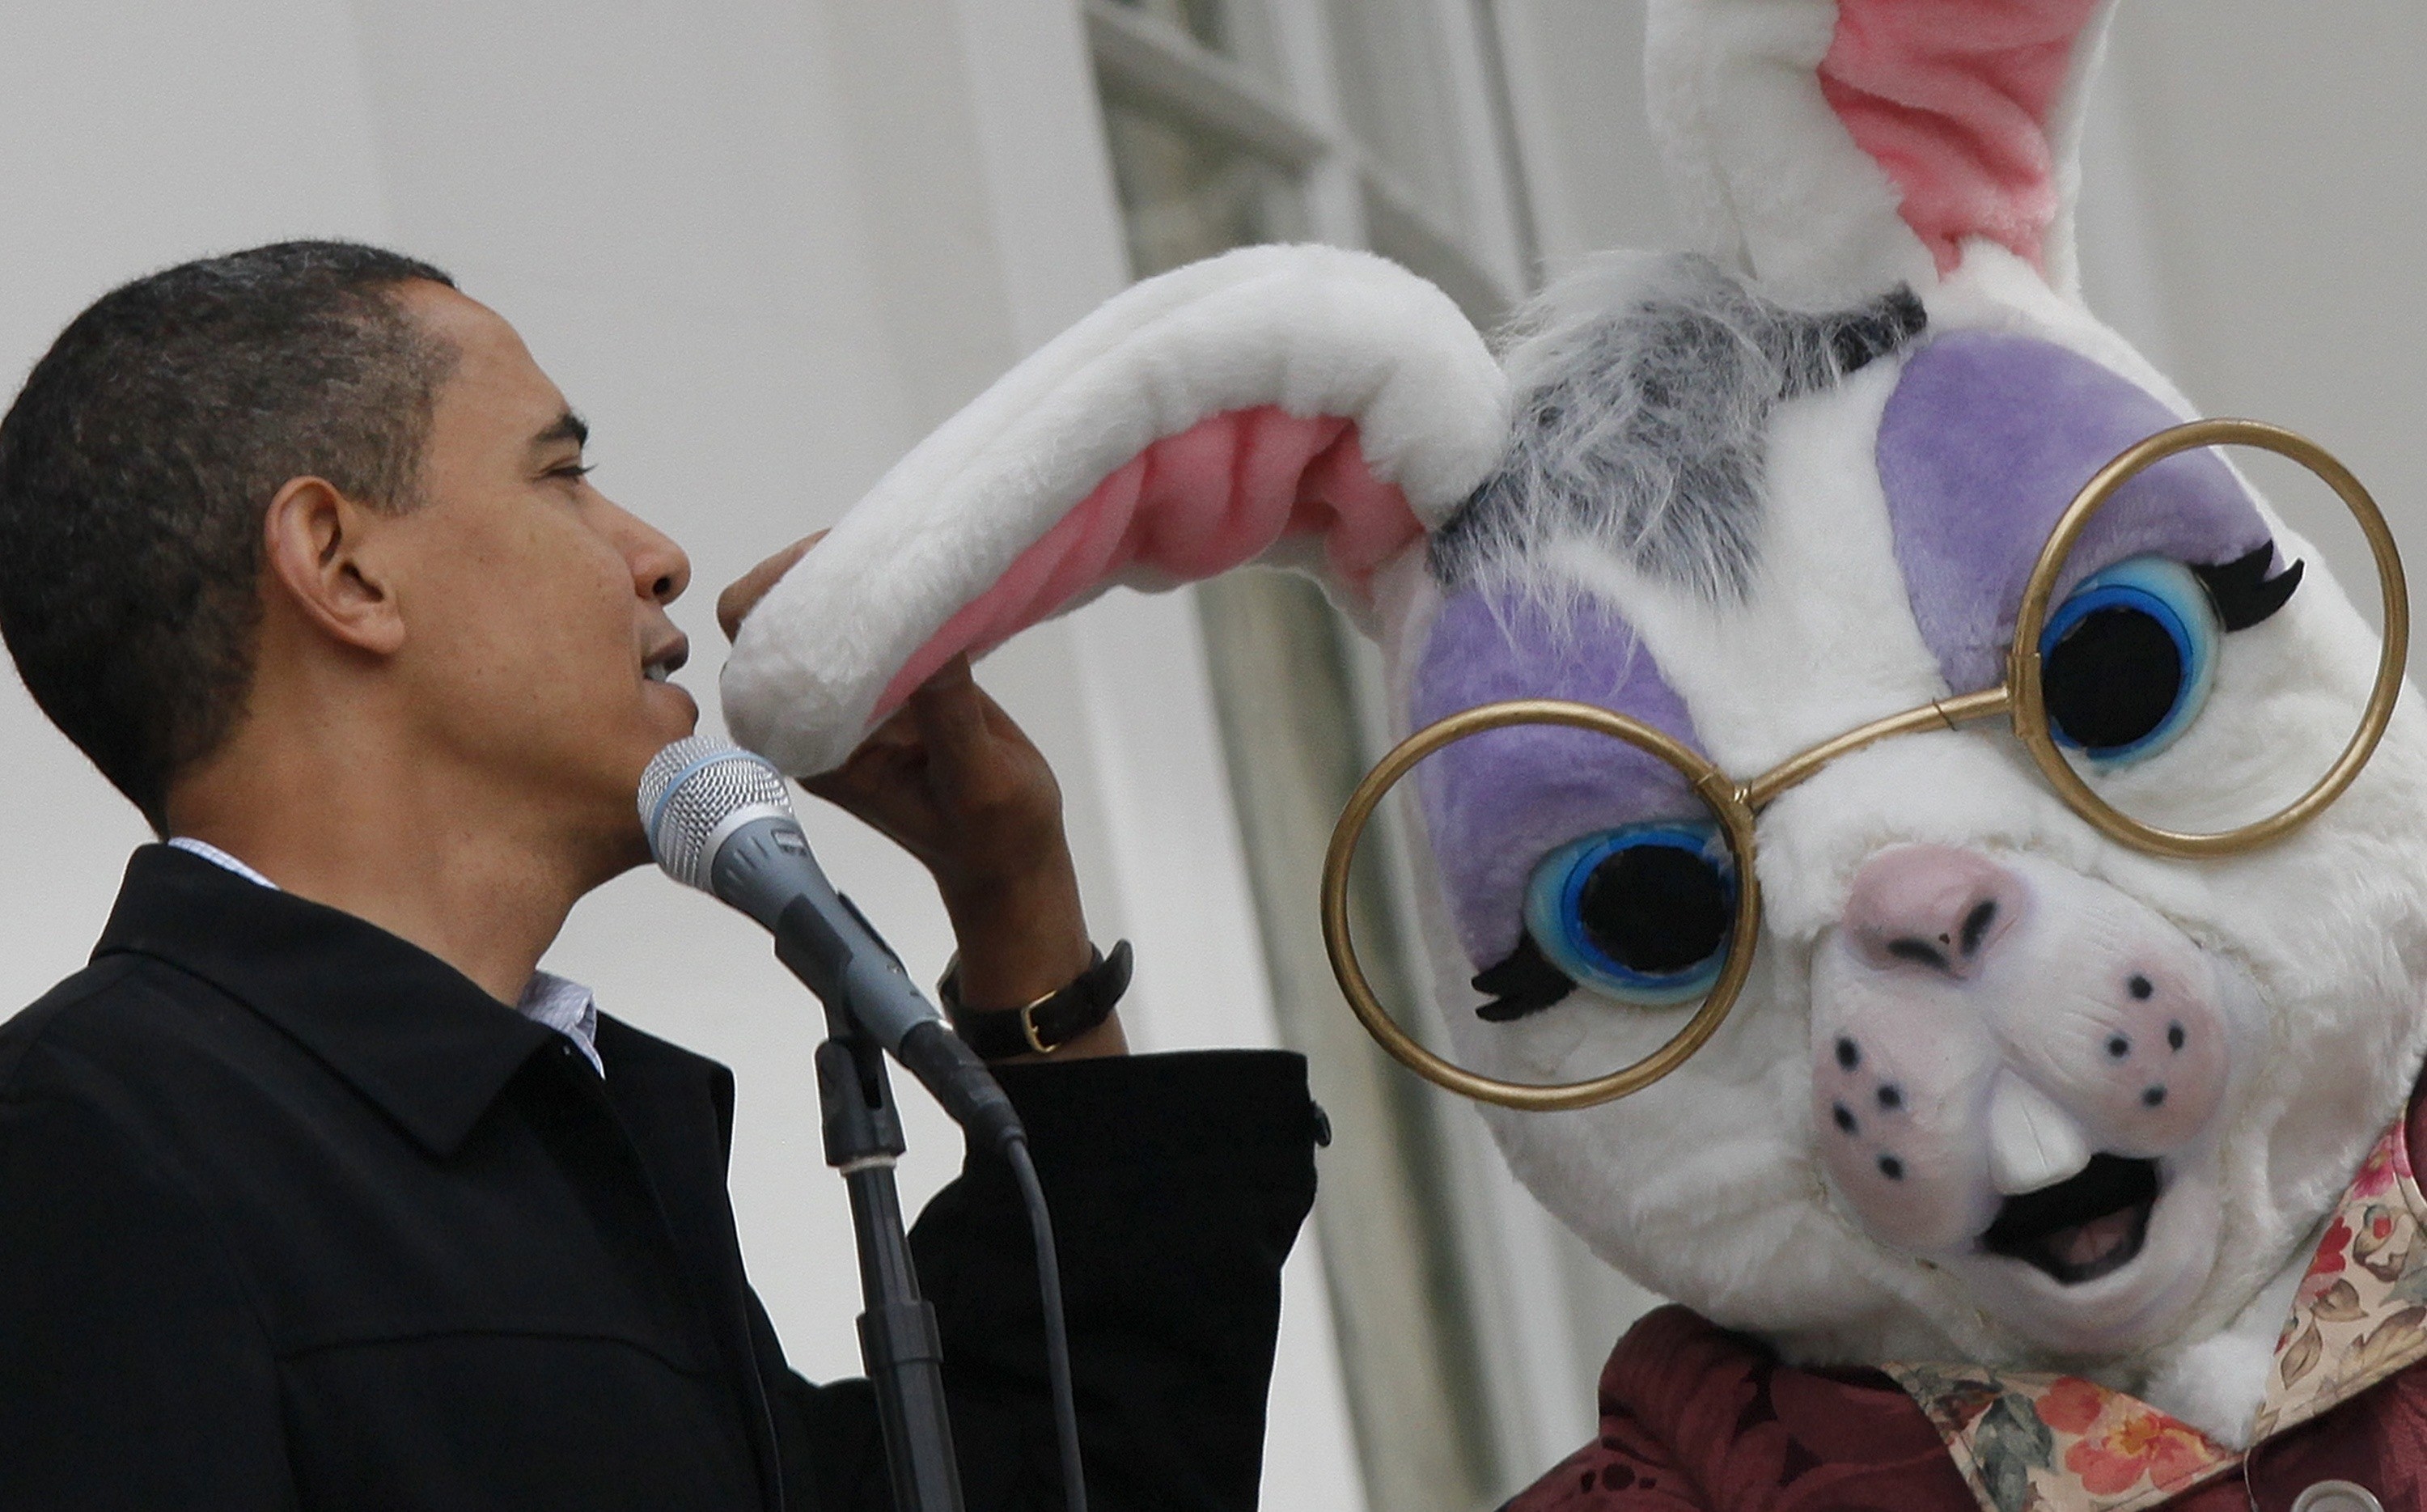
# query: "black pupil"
1656,909
2112,678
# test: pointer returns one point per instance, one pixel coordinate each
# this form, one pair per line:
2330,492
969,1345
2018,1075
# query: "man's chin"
667,714
625,841
671,703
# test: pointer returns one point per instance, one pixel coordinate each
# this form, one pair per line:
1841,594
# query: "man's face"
537,642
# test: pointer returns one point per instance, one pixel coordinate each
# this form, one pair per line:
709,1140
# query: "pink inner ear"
1192,506
1952,98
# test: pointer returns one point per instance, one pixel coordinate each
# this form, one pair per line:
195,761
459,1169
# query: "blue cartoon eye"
1640,913
2127,658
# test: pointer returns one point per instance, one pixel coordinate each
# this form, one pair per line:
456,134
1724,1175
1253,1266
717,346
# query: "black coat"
294,1215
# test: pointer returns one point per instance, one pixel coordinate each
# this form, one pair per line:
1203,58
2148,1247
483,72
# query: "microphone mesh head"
690,788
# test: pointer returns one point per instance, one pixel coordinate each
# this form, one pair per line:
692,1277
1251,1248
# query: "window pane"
1411,1347
1410,1343
1394,85
1210,22
1187,193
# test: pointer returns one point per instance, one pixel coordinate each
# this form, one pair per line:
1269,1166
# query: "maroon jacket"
1693,1417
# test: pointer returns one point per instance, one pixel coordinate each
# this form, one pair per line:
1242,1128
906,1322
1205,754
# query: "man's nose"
1932,908
660,571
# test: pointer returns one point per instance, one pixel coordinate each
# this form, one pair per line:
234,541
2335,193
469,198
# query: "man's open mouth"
2088,1226
666,661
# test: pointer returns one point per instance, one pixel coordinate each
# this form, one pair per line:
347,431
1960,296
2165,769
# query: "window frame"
1534,1310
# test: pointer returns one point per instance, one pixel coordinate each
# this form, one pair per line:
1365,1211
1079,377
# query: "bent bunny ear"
1840,145
1305,405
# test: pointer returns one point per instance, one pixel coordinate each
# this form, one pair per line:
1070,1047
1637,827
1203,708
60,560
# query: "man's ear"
313,540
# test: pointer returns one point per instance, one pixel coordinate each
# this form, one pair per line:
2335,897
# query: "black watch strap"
1049,1022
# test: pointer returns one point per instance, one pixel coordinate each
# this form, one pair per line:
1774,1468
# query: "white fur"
2217,1383
2062,252
1769,178
1789,668
1314,330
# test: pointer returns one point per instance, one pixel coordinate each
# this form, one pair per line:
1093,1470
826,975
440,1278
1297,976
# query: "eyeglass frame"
1737,805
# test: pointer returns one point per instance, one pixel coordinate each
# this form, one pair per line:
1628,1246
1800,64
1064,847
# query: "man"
296,1211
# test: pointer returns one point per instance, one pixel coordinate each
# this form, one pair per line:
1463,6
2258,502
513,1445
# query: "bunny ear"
1839,145
1304,405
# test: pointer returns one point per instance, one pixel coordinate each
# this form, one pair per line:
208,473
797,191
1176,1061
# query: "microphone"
719,819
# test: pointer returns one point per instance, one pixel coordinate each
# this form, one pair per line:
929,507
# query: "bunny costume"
2031,1168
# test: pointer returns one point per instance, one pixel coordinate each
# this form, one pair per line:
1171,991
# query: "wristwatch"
1046,1025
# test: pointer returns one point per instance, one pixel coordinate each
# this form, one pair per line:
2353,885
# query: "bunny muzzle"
2018,1074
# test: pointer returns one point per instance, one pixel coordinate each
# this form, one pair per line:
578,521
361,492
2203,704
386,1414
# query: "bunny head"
1999,1087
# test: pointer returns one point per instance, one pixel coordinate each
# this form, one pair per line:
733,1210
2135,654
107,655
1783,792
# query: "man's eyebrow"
566,427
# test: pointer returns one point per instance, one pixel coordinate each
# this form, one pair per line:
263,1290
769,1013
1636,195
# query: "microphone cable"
719,818
1057,1338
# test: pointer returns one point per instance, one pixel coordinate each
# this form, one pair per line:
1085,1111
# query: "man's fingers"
742,594
879,763
879,787
883,781
952,716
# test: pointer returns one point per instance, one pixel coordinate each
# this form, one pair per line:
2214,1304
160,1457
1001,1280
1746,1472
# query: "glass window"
1394,89
1208,23
1187,193
1454,1297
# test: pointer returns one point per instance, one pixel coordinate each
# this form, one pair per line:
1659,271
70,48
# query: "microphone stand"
897,1338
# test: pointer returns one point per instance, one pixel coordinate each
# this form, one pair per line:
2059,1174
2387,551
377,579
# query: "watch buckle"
1028,1027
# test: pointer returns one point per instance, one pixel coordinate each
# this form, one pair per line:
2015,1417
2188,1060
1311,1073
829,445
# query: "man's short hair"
138,463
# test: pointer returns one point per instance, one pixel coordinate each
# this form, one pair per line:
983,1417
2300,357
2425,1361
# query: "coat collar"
2359,1317
407,1030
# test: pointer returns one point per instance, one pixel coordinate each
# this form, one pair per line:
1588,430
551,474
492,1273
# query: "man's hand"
954,781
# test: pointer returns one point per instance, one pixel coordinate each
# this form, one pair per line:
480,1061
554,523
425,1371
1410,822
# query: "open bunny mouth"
2088,1226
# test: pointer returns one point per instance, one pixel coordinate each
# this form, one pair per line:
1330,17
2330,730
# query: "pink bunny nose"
1932,908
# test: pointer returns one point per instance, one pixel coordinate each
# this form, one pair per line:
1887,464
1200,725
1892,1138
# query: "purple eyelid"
1495,803
1987,438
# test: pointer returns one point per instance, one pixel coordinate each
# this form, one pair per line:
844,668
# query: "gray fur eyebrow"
1644,389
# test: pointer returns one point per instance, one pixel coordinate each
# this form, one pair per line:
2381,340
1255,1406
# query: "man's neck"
401,843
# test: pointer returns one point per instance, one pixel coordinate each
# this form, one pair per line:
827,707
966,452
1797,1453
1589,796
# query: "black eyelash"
2242,591
1526,983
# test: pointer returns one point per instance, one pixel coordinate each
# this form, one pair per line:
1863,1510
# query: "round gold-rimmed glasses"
2021,699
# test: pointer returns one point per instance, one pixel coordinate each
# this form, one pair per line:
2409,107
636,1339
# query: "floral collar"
2065,1444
